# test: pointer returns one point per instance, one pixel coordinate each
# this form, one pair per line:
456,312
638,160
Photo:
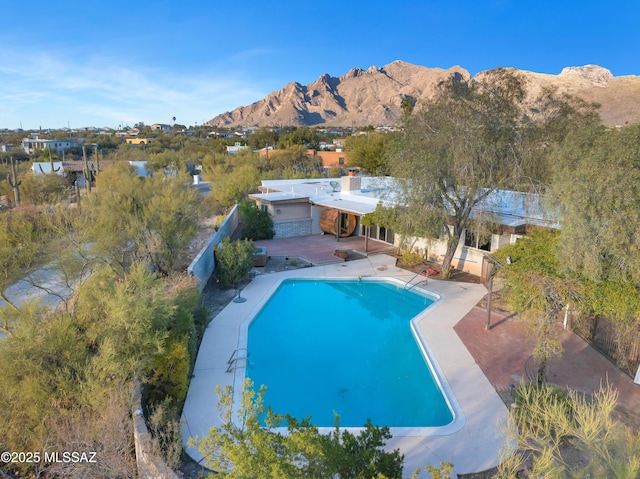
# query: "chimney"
350,184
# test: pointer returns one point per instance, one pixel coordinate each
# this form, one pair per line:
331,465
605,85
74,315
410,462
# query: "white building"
317,206
30,145
233,150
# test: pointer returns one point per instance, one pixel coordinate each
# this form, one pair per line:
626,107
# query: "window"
264,208
341,160
474,240
381,233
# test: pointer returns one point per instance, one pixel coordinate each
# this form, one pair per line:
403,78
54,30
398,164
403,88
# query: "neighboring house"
44,167
5,148
317,206
161,127
30,145
223,134
138,141
233,150
329,158
74,170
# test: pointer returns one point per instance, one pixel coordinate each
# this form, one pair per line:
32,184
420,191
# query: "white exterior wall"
290,211
498,241
316,211
465,258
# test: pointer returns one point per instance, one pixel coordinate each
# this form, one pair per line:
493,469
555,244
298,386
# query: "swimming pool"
346,347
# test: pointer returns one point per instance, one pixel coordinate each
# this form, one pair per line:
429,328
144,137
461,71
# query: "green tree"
68,385
43,189
370,152
234,260
146,219
22,239
538,291
407,105
460,147
464,144
294,162
249,445
303,136
231,179
256,224
262,138
596,193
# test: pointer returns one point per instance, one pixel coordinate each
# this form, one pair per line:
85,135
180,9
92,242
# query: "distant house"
233,150
31,145
5,148
329,158
138,141
223,134
161,127
44,167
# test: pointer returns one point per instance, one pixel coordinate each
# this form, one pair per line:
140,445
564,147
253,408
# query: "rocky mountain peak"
592,73
374,96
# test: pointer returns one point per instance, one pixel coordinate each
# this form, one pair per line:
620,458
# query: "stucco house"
332,206
30,145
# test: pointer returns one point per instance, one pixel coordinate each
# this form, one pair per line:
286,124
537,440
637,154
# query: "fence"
621,345
203,265
149,465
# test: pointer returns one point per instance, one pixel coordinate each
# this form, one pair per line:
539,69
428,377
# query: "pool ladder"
235,357
423,272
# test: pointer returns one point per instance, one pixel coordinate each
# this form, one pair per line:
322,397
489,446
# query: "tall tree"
596,191
369,152
142,218
22,240
459,148
263,137
469,141
536,288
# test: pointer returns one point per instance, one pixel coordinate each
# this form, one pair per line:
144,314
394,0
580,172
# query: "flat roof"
512,209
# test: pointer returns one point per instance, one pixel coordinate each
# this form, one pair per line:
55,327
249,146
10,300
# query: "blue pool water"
345,346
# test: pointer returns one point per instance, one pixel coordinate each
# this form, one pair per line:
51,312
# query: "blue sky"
105,63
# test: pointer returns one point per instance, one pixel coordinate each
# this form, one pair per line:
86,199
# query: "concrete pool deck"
472,448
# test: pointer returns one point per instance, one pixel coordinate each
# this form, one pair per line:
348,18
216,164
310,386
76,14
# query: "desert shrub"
234,260
169,376
411,258
166,441
256,224
42,189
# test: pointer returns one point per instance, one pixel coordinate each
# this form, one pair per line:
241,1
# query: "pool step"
235,357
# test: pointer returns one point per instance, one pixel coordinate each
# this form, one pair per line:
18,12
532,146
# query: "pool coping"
472,447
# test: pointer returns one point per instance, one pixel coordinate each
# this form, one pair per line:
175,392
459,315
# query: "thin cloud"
131,92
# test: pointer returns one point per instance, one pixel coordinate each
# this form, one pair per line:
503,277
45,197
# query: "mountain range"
373,96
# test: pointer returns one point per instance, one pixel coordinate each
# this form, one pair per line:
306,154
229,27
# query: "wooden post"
366,239
488,325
